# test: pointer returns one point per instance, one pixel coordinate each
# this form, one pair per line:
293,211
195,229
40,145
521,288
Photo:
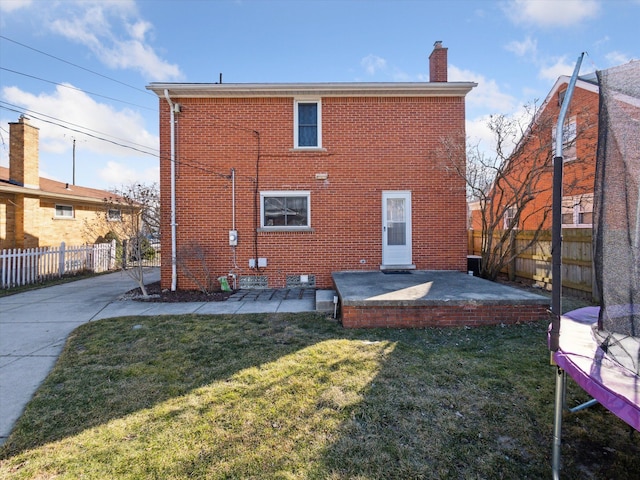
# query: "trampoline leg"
557,421
584,405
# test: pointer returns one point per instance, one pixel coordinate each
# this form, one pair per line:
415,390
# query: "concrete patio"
418,299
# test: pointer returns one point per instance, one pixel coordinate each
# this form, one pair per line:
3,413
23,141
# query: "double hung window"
307,131
577,211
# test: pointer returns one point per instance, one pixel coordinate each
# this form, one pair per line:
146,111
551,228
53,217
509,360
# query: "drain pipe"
174,273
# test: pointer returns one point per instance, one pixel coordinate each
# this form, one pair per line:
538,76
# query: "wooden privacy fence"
34,265
534,263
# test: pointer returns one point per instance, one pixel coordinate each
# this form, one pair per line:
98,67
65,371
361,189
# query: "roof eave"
244,90
17,189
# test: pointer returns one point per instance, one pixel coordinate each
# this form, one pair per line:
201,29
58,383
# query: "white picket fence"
34,265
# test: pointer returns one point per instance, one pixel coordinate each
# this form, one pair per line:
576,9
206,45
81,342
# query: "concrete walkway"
34,326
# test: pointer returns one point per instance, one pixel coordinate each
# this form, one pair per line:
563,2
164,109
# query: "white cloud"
528,47
120,126
11,5
372,64
114,33
558,13
560,67
487,95
120,174
617,58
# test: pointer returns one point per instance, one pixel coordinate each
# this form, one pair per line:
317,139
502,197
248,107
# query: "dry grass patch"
298,397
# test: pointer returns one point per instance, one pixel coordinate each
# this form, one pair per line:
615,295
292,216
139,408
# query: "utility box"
474,264
233,238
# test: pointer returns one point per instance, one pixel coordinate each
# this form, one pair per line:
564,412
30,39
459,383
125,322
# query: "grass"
298,397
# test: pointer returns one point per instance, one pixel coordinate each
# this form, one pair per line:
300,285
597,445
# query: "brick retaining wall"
440,315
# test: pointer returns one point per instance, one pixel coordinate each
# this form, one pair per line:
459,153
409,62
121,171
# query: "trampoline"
599,347
609,374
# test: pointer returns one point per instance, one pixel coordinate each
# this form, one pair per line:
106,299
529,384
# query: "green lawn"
298,397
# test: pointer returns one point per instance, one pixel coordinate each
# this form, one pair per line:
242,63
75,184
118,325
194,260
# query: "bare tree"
131,215
511,185
192,262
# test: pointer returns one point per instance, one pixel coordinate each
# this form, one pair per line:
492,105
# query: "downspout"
174,273
556,272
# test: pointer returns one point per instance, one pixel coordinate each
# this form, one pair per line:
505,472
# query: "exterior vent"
254,281
297,281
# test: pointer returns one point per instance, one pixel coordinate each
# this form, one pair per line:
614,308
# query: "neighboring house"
37,211
283,184
531,164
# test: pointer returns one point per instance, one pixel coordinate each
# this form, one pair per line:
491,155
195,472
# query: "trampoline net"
617,208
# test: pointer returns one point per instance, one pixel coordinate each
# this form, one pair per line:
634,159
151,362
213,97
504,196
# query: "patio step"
324,300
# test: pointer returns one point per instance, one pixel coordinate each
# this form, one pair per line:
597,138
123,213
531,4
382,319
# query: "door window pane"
396,222
397,233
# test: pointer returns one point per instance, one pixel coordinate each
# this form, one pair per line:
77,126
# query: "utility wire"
21,110
76,89
77,66
187,163
84,132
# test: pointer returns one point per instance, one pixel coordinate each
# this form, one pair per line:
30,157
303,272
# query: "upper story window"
307,131
569,134
64,211
285,210
509,218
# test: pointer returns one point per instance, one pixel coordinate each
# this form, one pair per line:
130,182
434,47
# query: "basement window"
64,211
289,210
307,129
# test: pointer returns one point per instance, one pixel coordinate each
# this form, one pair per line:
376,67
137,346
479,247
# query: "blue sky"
105,52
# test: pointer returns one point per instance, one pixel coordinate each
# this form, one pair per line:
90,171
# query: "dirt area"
156,294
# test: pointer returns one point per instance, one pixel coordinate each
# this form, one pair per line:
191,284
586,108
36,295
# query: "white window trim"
285,193
317,101
65,217
570,130
509,217
576,205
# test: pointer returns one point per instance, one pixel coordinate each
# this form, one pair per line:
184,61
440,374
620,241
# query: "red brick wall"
370,145
440,316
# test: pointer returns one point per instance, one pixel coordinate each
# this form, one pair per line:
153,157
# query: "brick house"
40,212
535,153
283,184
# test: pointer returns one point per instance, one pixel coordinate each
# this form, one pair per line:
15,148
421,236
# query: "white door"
396,228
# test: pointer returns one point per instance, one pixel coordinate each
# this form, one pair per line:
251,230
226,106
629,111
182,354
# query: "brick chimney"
438,63
23,154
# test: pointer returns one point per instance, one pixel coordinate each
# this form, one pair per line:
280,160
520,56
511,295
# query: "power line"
97,137
22,110
76,89
146,92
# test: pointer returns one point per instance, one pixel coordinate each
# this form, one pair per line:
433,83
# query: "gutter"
174,273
